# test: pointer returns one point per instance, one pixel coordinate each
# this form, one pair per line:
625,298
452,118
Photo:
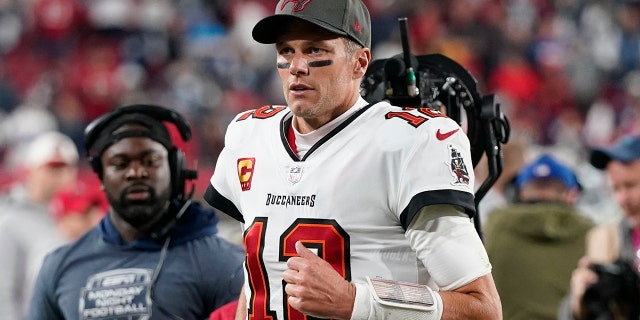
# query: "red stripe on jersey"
291,138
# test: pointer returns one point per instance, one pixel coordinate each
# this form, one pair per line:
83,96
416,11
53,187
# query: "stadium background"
567,71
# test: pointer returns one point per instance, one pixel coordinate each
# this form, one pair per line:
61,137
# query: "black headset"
179,172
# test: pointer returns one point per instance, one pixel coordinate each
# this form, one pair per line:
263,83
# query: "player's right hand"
315,288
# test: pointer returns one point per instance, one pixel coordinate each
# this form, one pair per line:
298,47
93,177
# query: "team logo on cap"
357,26
298,5
245,172
458,167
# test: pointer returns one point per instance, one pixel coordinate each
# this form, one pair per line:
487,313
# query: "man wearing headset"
155,255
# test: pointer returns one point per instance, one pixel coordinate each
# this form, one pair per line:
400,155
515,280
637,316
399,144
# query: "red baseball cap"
77,200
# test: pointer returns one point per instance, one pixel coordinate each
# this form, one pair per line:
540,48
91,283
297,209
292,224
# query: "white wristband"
366,307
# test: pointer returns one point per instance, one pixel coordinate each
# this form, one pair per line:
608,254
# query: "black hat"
348,18
111,132
626,149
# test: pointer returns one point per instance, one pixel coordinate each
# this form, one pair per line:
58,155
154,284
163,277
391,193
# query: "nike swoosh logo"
441,136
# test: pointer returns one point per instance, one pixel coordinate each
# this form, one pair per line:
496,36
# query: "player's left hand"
315,288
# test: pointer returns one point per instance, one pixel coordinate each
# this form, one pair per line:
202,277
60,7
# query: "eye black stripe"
321,63
315,64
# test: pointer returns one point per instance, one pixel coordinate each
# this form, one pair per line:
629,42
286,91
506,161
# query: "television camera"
616,293
438,82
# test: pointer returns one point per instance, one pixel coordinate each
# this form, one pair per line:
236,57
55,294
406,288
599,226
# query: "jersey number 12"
324,235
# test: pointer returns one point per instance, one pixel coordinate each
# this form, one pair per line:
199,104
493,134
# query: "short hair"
350,46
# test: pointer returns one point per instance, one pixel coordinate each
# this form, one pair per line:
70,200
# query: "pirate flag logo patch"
458,167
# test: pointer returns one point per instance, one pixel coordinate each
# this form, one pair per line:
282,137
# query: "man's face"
44,181
546,190
137,180
625,182
319,79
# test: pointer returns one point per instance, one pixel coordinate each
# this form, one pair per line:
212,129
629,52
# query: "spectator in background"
502,191
618,241
27,231
535,243
78,208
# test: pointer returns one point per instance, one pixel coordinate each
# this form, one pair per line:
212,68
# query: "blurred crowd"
567,72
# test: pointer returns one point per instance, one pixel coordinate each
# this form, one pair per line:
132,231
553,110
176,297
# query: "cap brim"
601,157
268,29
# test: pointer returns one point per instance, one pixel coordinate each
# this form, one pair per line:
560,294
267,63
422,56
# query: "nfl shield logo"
295,173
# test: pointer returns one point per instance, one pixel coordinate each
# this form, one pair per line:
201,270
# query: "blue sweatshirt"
101,276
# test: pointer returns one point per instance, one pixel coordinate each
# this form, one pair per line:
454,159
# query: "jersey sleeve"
224,181
437,170
449,247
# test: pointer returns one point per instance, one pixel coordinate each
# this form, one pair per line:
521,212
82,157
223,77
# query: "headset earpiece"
177,165
96,165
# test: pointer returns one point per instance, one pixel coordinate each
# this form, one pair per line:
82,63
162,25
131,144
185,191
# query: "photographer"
605,284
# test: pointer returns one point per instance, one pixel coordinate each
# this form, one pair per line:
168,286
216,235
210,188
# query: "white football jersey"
350,198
